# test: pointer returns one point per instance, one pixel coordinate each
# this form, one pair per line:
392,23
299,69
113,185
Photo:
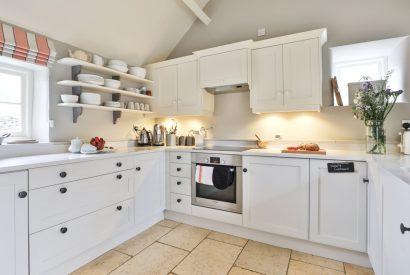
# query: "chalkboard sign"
340,167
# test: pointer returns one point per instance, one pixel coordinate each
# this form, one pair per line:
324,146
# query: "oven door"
226,197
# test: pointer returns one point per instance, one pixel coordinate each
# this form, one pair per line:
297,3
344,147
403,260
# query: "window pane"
10,88
10,118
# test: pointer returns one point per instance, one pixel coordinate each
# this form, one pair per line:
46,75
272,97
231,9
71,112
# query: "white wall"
347,22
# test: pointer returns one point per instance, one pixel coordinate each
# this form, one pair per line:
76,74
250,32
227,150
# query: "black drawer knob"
63,230
245,170
119,207
138,168
63,174
179,200
22,194
179,169
119,164
179,183
63,190
179,157
403,229
119,177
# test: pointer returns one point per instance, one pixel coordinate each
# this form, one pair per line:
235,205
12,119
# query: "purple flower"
367,85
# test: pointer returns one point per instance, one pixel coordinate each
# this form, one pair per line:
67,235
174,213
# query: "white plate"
118,68
91,79
117,62
89,153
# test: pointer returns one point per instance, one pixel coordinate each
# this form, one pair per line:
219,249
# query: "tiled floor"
173,248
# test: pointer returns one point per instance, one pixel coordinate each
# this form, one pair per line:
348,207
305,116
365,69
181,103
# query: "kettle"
158,136
144,136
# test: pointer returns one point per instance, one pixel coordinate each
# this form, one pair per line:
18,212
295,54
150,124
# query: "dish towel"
203,174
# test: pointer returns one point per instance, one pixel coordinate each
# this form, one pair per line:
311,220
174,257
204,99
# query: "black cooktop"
223,148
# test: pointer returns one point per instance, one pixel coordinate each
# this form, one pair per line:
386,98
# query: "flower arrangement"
373,103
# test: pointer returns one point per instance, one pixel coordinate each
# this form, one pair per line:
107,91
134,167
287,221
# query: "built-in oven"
217,181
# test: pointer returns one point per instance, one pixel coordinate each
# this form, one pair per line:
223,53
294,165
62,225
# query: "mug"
142,107
146,107
130,105
136,106
98,60
123,105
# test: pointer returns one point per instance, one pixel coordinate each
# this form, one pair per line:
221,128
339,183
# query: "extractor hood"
228,89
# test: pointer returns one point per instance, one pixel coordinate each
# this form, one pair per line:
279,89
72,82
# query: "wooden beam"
196,9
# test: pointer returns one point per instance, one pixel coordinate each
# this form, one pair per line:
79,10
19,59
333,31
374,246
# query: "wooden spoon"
257,137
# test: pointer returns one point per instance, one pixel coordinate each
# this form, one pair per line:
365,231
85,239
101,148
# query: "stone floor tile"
316,260
301,268
264,258
103,264
185,236
156,259
352,269
138,243
227,238
168,223
209,257
240,271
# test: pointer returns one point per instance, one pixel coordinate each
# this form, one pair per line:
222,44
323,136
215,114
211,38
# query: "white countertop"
398,165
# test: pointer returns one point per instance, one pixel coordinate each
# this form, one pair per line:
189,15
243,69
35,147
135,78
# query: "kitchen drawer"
180,185
180,157
54,246
180,170
181,203
46,176
77,198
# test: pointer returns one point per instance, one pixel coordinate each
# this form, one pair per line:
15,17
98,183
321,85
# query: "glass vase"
375,137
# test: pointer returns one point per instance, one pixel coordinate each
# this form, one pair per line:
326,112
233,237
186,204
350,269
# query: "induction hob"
223,148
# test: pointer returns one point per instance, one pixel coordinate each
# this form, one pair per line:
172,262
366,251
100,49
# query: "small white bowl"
112,104
90,98
118,68
112,83
69,98
138,71
117,62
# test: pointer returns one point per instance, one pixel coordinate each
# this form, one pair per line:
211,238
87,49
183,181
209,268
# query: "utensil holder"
171,140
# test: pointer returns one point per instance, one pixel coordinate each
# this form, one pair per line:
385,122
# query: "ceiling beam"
196,9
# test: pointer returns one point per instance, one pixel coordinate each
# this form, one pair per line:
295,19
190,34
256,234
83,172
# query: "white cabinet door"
302,74
166,81
149,186
276,195
396,211
14,223
338,206
222,69
267,79
189,93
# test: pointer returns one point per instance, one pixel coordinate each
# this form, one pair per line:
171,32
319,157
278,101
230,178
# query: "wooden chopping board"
320,152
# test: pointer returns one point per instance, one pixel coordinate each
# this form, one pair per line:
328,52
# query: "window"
16,85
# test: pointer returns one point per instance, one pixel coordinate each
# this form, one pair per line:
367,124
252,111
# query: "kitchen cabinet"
338,206
276,195
222,69
14,223
177,88
396,243
287,73
149,186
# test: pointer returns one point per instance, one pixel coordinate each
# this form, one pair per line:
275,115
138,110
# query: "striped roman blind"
20,44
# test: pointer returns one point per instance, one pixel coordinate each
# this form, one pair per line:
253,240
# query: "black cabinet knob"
179,157
63,190
119,177
179,200
179,169
403,229
119,164
179,183
63,174
119,207
22,194
63,230
245,170
138,168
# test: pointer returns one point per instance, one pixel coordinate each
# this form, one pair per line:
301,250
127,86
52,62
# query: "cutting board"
320,152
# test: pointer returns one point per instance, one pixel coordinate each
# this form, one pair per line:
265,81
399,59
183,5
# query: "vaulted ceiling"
138,31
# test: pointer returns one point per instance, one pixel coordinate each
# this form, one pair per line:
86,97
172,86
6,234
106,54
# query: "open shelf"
102,108
74,83
103,70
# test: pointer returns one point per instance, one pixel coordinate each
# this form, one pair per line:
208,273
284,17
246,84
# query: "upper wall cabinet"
286,73
177,88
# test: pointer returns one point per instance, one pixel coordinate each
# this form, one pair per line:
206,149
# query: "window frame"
26,99
382,61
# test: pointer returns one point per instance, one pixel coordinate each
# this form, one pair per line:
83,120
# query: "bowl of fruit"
98,143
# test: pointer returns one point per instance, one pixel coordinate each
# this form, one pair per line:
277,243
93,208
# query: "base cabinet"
149,191
276,195
338,206
14,223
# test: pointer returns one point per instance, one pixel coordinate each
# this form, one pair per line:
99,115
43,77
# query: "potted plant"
372,103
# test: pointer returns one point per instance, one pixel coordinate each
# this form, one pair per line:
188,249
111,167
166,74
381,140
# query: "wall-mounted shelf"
74,83
103,70
78,109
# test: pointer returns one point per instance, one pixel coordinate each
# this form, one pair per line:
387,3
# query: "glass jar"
375,137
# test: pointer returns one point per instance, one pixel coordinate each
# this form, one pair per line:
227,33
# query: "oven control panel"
221,159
